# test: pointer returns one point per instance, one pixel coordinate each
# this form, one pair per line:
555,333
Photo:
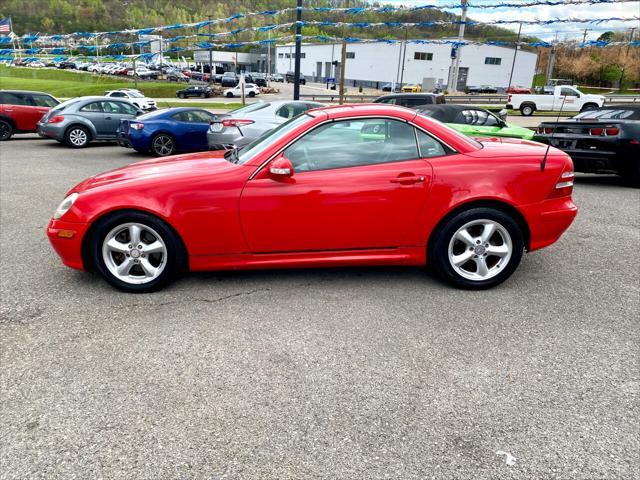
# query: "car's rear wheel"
136,252
77,137
527,110
477,248
163,145
6,130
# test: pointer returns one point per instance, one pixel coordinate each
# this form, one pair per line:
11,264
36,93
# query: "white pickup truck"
564,98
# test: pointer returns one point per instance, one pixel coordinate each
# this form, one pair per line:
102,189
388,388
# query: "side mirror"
281,167
502,114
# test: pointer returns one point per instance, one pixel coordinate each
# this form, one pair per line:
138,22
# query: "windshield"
252,107
135,94
268,138
609,114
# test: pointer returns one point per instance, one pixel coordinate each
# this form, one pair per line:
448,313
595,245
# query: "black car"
482,89
67,65
411,100
290,77
603,140
260,80
229,79
195,91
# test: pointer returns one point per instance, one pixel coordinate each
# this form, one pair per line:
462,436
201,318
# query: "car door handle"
408,180
107,118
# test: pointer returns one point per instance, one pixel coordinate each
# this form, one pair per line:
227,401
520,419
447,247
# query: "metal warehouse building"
372,64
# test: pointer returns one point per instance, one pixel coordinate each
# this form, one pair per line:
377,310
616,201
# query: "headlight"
65,205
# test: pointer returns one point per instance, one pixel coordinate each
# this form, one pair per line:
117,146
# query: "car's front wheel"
477,248
136,252
6,130
229,95
77,137
163,145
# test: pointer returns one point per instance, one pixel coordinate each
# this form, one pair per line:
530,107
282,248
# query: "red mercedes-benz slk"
349,185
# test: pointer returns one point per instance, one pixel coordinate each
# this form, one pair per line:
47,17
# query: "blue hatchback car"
165,132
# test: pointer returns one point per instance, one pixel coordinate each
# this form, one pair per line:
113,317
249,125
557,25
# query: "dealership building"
373,64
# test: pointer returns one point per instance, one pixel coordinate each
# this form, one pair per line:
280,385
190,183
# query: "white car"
135,97
250,90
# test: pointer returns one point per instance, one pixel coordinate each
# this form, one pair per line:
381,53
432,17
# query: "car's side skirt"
389,256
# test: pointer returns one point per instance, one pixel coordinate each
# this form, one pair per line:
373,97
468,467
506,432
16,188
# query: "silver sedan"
240,127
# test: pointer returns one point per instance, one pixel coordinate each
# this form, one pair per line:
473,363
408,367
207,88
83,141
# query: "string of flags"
4,53
29,38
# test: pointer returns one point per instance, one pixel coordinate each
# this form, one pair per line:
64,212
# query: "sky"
547,32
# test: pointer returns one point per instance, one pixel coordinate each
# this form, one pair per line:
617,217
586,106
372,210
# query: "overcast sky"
547,32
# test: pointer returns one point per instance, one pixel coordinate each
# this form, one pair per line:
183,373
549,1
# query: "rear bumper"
50,131
66,240
548,220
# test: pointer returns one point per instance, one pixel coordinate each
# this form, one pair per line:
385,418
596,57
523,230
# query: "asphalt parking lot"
360,373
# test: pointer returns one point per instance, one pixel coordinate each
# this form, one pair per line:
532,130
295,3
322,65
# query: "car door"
569,100
196,125
93,112
114,111
349,190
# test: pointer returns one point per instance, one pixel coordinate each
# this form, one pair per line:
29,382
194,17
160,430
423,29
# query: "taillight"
564,185
547,130
509,98
604,132
56,119
137,126
596,131
236,123
611,132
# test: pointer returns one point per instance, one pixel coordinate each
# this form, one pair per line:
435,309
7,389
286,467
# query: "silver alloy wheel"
78,137
134,253
163,145
480,250
527,110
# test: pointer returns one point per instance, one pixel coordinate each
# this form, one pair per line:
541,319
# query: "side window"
92,107
44,101
198,116
7,98
128,109
414,102
115,107
291,110
429,146
568,92
389,101
352,143
180,117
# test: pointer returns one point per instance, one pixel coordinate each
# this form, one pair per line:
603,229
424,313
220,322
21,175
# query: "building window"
492,61
287,55
302,55
422,56
281,55
351,55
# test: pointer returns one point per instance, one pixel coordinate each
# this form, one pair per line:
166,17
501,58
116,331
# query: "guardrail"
500,99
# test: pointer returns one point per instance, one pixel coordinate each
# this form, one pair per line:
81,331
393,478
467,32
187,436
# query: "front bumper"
66,240
548,220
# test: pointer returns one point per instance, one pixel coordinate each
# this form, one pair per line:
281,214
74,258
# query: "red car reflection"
348,185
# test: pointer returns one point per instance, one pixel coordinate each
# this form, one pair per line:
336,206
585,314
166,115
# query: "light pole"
515,54
455,60
210,51
296,75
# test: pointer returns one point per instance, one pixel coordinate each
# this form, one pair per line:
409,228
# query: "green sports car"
474,121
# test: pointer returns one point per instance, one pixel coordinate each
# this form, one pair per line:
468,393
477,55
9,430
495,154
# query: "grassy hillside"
61,83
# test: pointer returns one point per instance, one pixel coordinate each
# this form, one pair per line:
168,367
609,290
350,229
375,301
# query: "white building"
373,64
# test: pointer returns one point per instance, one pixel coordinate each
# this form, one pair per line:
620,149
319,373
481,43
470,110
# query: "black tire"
229,95
77,136
6,130
203,95
588,106
174,261
252,94
163,145
443,238
181,95
527,109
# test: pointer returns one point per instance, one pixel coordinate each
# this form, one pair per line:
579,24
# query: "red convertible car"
347,185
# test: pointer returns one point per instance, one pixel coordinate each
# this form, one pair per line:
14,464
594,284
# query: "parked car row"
600,140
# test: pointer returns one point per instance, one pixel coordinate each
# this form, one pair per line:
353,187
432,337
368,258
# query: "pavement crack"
227,297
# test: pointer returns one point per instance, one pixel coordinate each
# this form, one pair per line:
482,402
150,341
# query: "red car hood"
204,163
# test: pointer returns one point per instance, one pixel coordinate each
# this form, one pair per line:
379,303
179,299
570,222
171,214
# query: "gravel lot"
340,374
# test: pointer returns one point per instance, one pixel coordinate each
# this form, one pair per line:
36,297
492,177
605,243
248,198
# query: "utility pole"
584,37
404,53
268,58
515,54
455,61
210,51
625,63
343,60
552,59
296,71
